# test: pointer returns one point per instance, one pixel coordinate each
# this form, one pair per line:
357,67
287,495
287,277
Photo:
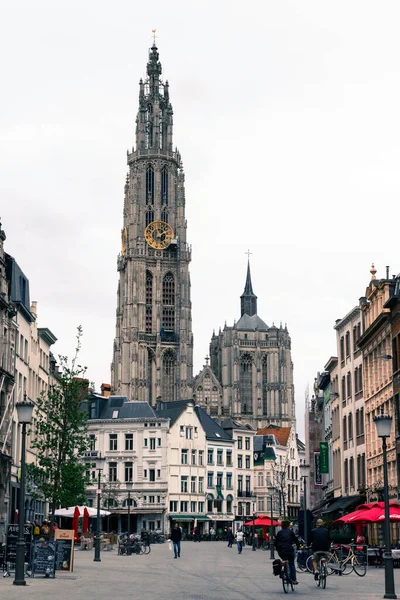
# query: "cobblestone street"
206,571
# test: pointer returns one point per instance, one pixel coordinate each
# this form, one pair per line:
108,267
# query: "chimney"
387,271
34,308
105,390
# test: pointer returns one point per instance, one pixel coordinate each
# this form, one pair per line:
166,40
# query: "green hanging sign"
324,457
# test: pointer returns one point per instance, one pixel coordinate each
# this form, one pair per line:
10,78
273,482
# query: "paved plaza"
205,571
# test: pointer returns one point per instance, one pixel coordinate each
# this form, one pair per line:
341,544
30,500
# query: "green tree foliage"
60,436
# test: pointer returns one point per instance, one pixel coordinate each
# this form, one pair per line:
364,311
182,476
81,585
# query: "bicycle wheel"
323,574
285,579
146,549
309,564
359,567
346,567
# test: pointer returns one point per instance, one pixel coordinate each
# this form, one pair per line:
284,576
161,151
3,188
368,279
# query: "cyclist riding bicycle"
285,540
320,545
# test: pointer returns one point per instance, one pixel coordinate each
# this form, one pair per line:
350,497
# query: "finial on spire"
373,272
153,31
207,358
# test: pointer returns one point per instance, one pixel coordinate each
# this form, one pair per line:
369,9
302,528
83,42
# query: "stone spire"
154,120
248,300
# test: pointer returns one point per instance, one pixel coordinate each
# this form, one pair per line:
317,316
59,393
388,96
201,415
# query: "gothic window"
149,185
164,185
149,302
164,215
246,383
264,374
161,130
149,376
168,376
149,216
168,300
149,126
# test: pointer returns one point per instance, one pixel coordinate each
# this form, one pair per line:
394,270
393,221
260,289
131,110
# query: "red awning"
262,521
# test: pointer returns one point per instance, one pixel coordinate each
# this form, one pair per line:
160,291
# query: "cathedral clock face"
158,235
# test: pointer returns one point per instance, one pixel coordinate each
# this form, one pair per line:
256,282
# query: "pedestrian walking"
239,540
212,534
176,537
230,537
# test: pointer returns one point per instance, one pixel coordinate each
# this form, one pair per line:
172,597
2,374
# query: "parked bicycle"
343,566
302,557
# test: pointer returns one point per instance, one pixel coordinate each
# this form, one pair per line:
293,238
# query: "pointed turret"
248,300
154,120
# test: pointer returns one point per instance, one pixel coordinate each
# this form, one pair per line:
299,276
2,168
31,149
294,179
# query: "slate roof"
211,428
259,446
126,409
281,433
171,413
247,323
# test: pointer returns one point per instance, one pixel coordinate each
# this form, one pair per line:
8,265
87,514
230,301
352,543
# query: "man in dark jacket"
320,545
176,536
285,540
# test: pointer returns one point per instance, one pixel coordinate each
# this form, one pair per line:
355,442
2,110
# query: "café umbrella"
70,511
261,521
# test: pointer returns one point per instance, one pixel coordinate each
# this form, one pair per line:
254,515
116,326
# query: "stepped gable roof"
281,433
251,323
126,409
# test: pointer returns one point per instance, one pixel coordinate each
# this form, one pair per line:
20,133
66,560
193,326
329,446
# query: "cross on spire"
207,359
248,254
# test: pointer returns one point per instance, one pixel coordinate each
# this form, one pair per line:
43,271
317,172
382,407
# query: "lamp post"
129,487
234,517
99,467
304,473
383,426
25,412
254,530
271,529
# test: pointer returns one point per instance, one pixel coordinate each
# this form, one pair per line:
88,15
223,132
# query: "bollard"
271,546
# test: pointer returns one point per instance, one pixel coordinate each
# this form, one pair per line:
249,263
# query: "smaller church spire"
248,300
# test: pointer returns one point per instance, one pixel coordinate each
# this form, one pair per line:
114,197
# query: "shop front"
188,522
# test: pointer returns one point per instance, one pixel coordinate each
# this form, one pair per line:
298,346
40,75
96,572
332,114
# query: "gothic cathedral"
251,374
153,347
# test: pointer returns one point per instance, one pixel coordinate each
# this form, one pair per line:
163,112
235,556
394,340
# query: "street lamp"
254,530
304,474
234,516
129,487
99,468
25,413
383,426
271,529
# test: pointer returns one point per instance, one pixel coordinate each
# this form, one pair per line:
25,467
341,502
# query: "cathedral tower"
153,347
252,363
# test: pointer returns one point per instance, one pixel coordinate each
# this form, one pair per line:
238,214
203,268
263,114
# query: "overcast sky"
287,117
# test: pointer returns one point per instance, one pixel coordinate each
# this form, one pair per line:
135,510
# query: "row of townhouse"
354,387
27,368
176,463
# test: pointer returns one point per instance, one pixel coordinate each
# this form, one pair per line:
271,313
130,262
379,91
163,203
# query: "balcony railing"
244,494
